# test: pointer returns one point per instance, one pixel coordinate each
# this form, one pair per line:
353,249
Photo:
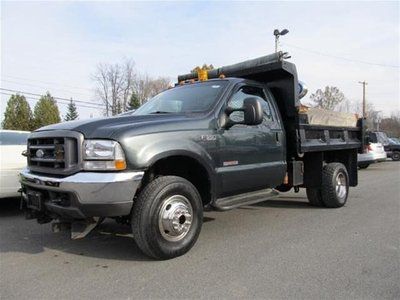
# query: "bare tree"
373,117
159,84
329,98
102,90
130,77
391,125
141,88
117,82
146,87
114,85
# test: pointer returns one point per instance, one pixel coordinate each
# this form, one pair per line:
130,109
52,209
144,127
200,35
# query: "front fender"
143,151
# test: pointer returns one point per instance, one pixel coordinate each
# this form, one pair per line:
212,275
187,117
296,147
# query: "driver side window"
237,99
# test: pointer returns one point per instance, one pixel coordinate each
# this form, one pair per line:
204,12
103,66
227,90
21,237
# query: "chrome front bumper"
89,193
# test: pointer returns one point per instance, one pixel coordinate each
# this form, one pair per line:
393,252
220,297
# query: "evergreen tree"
18,114
72,113
134,102
46,111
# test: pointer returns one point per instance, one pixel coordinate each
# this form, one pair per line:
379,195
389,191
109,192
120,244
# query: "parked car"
375,152
378,137
395,140
12,143
391,146
393,149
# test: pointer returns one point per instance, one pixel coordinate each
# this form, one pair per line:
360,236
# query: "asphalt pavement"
278,249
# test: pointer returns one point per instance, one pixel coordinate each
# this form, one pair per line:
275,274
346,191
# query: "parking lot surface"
282,248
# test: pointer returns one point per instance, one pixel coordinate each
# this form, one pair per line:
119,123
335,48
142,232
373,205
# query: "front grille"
54,154
47,152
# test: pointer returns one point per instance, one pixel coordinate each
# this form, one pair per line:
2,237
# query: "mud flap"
80,229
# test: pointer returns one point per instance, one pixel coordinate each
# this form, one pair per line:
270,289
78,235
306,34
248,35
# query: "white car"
12,143
375,152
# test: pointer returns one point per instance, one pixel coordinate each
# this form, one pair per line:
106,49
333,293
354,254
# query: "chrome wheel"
341,187
175,218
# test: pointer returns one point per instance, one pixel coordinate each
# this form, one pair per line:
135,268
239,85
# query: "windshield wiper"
160,112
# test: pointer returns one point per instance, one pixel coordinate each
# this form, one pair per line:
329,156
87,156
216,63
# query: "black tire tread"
153,188
328,192
314,197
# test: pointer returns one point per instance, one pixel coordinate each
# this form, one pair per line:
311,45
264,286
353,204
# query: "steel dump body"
281,78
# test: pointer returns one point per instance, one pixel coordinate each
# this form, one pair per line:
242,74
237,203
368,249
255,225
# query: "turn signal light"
120,164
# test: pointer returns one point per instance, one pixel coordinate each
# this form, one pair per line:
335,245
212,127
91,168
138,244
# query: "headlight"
103,155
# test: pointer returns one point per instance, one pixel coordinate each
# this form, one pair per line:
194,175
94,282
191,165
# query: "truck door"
251,157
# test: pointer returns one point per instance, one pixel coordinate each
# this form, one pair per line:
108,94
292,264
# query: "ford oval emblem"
39,153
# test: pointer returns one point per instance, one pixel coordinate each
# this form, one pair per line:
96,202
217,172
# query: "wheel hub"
341,186
175,218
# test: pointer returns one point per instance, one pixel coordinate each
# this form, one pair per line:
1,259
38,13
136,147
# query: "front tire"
167,217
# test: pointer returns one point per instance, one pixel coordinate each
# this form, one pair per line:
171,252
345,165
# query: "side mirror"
252,113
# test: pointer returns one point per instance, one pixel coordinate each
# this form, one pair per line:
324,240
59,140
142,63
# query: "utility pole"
364,83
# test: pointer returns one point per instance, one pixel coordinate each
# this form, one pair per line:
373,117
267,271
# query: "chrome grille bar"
55,152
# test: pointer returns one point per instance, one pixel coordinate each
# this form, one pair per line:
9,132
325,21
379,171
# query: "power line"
47,82
58,101
42,87
341,57
58,98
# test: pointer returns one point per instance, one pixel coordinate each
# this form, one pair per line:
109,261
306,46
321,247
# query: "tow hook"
80,229
296,189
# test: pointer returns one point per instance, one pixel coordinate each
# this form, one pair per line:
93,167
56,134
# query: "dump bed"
281,78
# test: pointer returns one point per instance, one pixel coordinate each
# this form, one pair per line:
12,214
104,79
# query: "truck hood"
110,126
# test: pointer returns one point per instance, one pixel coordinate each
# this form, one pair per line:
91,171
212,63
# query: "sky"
56,46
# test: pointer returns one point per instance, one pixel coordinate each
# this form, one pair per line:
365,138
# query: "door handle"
277,137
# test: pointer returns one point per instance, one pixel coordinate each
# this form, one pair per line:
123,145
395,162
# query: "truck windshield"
191,98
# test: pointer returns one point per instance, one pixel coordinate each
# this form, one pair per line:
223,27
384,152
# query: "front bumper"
84,194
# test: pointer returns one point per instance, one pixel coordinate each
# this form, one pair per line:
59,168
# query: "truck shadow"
109,241
286,202
10,207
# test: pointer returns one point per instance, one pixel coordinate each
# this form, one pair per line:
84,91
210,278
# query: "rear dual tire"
334,189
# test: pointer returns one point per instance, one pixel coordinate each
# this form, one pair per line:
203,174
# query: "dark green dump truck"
232,140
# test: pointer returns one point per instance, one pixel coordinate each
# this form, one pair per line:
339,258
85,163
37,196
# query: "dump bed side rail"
314,138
